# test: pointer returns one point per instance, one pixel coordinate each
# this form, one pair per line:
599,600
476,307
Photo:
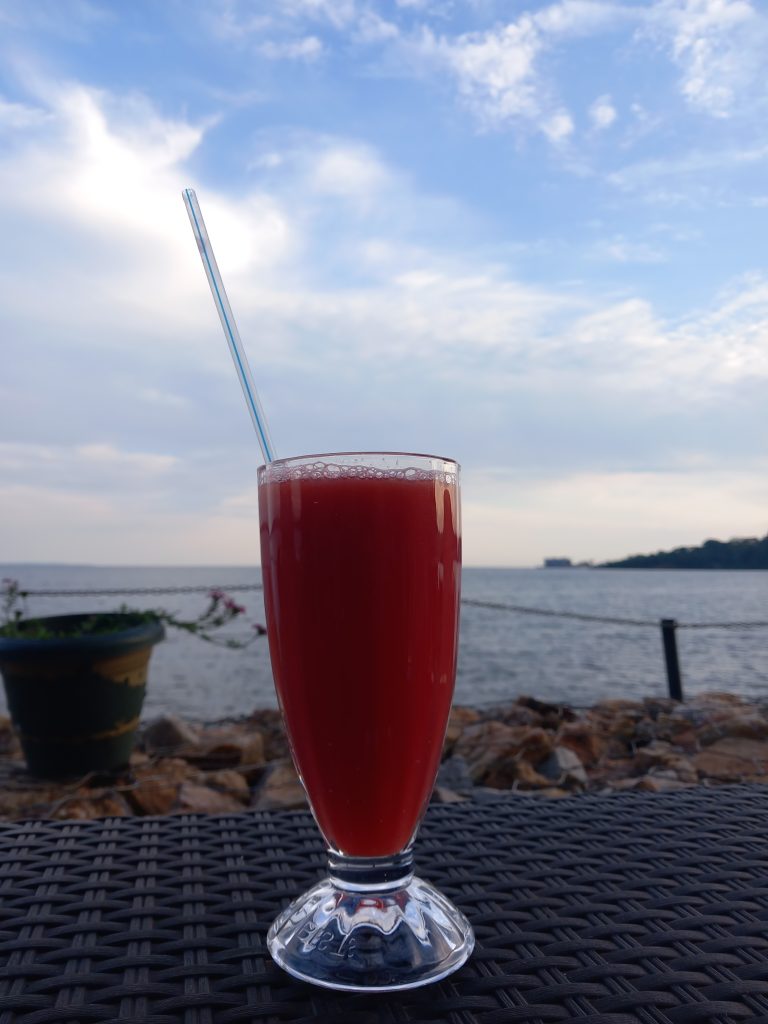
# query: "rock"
99,804
229,781
611,770
157,785
27,802
526,776
269,722
489,749
732,759
659,752
487,794
167,733
513,713
444,795
660,784
280,789
552,713
197,799
458,719
226,747
743,726
9,741
563,765
655,707
619,705
454,774
584,740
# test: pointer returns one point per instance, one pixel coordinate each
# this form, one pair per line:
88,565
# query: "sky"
529,236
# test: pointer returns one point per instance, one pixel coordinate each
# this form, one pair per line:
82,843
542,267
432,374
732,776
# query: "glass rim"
375,454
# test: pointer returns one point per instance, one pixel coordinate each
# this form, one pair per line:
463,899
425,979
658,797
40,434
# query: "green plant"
221,610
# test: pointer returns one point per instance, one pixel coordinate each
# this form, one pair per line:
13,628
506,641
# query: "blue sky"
531,236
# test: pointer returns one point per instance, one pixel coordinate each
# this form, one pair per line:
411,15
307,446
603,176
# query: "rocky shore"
523,749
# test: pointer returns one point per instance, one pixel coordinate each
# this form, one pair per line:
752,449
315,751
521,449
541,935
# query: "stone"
230,781
742,726
563,765
618,705
659,752
9,741
227,747
27,801
444,795
526,776
99,804
280,788
489,749
584,740
454,774
269,723
660,784
553,713
197,799
457,720
732,759
167,733
611,770
489,795
157,783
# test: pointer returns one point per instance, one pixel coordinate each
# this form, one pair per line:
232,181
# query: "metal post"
669,640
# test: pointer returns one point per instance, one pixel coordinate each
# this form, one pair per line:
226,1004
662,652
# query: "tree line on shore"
738,553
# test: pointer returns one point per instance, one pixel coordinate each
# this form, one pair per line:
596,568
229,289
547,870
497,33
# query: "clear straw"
228,323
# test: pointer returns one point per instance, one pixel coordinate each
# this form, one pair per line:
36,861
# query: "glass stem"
371,874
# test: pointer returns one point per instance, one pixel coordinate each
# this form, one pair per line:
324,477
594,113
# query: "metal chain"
141,590
558,615
493,605
722,625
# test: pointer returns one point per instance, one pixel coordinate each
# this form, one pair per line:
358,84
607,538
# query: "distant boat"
558,563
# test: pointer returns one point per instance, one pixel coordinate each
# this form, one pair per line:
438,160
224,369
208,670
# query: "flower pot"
75,700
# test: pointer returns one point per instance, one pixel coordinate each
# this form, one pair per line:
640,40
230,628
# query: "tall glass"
361,559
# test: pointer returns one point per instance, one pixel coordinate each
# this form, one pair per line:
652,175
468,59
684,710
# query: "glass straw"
228,323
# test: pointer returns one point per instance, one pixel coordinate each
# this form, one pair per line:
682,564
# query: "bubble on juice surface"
336,471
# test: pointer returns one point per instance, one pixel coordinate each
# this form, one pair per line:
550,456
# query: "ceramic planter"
75,700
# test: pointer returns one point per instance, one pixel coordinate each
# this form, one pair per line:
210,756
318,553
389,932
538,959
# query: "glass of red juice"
361,561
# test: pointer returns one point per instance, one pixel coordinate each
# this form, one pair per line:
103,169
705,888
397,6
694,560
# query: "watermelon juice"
361,560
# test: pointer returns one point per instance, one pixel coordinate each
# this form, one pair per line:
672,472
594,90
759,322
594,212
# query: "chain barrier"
141,590
581,616
493,605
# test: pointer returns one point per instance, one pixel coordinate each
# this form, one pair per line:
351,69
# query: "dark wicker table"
610,910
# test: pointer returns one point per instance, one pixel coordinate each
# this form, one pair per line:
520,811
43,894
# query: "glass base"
367,938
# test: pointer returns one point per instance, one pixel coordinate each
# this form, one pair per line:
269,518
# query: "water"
501,654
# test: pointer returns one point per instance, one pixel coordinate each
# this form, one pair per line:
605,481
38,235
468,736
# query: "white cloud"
347,170
558,126
495,71
19,115
719,46
439,326
116,208
84,466
622,250
498,71
307,48
372,28
602,113
514,520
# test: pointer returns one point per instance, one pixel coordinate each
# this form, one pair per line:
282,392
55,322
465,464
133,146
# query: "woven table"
607,909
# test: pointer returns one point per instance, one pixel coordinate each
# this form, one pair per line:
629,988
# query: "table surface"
608,909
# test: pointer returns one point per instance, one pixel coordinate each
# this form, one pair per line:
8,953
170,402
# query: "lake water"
502,654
